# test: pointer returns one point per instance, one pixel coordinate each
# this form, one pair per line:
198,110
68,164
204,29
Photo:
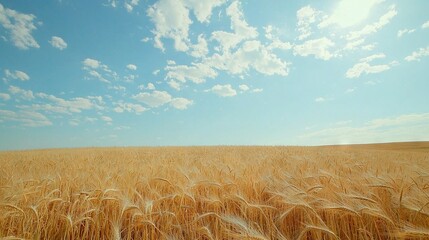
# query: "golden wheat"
214,193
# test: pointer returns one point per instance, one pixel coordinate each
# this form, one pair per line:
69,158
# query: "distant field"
330,192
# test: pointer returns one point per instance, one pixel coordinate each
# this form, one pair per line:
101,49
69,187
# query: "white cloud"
223,90
171,19
203,9
365,67
242,30
238,23
107,119
257,90
19,26
306,16
118,88
91,63
317,47
200,49
159,98
26,118
425,25
320,99
129,107
368,47
58,42
349,13
405,31
174,84
4,96
181,103
132,67
95,69
73,105
243,87
352,45
417,55
408,127
21,93
252,54
129,5
271,33
374,27
154,99
150,86
197,73
372,57
146,39
16,75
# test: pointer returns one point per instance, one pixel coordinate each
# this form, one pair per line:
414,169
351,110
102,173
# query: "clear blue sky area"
188,72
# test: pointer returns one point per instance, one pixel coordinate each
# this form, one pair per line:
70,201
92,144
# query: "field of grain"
215,193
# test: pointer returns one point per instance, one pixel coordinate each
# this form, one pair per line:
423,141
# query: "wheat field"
216,193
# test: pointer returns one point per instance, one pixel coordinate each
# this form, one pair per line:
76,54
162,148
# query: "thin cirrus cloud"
16,75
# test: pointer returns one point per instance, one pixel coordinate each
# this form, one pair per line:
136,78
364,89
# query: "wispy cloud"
417,55
20,75
26,118
414,127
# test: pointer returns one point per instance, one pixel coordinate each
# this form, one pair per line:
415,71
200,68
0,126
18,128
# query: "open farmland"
331,192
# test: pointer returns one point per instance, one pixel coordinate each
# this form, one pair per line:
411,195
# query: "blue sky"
214,72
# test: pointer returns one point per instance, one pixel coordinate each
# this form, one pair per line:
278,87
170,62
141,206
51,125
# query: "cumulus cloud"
91,63
58,43
19,27
181,103
417,55
242,30
251,55
200,49
171,19
20,75
223,90
73,105
196,73
203,9
132,67
374,27
27,118
317,47
153,99
129,107
306,17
